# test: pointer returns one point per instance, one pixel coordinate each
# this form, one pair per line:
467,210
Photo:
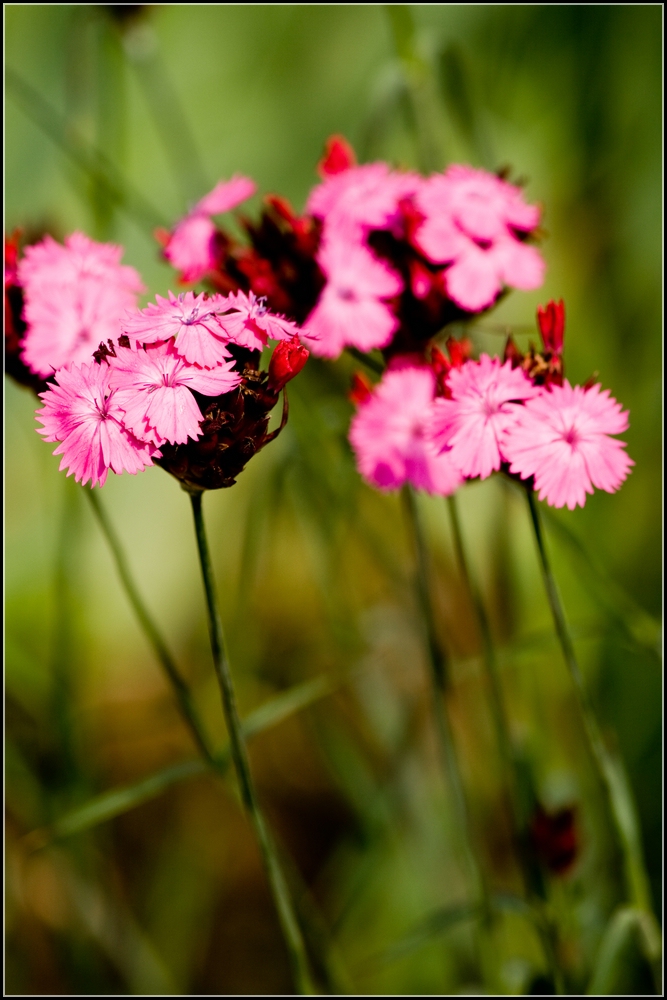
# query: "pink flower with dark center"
351,310
471,221
562,438
471,425
154,388
390,434
193,320
251,323
191,246
75,296
82,412
366,196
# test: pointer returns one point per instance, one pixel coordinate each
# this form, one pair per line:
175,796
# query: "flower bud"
338,156
551,321
361,390
287,361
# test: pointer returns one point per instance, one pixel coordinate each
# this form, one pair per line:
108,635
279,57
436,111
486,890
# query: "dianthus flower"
389,433
74,298
82,412
472,424
154,388
351,310
193,320
250,323
366,197
472,220
562,438
191,246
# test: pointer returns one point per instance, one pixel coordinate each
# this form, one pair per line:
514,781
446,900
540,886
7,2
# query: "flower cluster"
472,418
177,383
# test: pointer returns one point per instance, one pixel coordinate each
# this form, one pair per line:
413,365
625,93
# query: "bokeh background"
315,570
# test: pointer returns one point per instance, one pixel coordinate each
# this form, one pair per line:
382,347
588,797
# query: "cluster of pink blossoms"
143,388
436,425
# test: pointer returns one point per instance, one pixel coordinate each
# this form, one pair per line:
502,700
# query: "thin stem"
513,776
610,767
277,880
439,683
183,696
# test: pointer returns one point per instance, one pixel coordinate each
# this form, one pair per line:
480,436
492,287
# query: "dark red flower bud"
554,838
551,321
441,365
287,361
361,390
512,353
338,156
459,351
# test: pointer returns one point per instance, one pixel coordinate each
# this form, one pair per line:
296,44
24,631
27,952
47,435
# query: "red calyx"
551,321
459,351
361,390
287,361
338,156
554,838
512,353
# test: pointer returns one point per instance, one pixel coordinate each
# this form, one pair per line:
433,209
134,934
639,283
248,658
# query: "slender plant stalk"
181,690
439,683
286,914
544,925
609,765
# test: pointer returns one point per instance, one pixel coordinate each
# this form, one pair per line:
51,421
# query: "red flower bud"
554,838
442,367
512,353
338,156
287,361
459,351
361,390
551,321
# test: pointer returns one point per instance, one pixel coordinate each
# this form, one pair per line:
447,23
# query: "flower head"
193,320
82,413
472,424
351,309
389,433
154,388
562,438
250,323
367,197
75,296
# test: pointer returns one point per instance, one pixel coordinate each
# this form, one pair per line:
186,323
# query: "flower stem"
439,683
183,696
609,765
513,776
277,880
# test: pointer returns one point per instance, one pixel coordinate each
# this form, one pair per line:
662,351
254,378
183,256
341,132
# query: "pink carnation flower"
153,386
389,434
75,296
191,246
81,412
351,310
472,424
366,196
562,439
193,320
471,219
251,323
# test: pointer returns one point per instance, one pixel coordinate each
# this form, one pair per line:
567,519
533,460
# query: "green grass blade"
627,937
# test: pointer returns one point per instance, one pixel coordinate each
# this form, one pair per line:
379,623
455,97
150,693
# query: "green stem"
609,765
277,880
439,683
183,696
514,778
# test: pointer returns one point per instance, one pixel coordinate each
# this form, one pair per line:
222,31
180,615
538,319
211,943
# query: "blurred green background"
315,570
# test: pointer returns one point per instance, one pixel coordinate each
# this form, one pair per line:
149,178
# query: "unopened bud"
361,390
287,361
338,156
551,321
459,351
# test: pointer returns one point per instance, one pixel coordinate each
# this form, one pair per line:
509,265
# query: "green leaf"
628,938
114,803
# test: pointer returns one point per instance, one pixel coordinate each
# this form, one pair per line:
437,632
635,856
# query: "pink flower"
561,437
193,320
472,424
153,386
251,323
366,196
191,247
81,412
389,434
351,310
75,296
471,220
